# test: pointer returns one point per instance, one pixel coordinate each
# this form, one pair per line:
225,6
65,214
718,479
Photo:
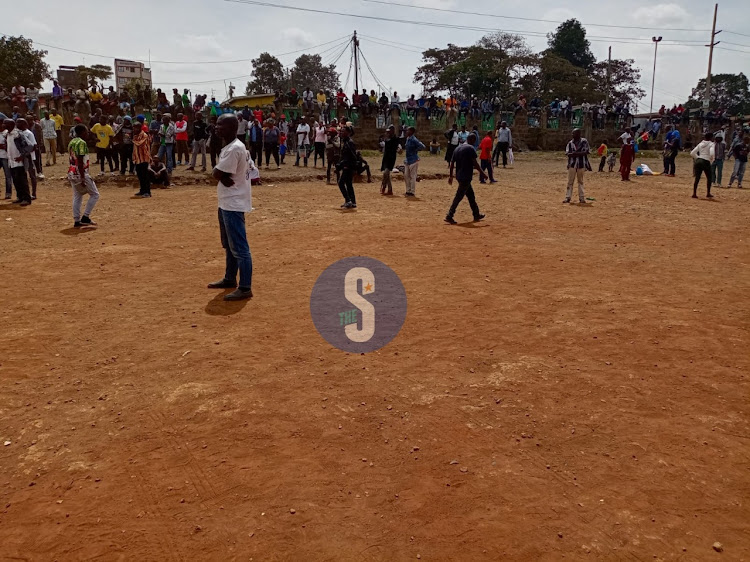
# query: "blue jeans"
167,149
8,178
234,241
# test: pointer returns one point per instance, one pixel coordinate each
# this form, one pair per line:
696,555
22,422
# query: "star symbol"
368,288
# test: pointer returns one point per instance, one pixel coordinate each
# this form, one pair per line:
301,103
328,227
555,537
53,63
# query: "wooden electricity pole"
714,33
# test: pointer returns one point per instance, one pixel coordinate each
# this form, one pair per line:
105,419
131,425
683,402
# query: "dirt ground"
570,382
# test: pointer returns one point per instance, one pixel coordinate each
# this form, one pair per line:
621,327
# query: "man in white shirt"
241,128
307,99
395,101
703,155
303,142
4,161
235,199
29,160
17,169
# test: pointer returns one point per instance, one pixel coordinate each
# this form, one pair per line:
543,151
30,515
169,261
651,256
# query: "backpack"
23,145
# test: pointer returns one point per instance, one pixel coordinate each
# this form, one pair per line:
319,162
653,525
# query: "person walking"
104,135
303,142
4,161
235,199
390,150
347,164
504,140
485,156
720,151
464,162
577,152
411,165
141,158
320,144
17,151
200,135
49,134
739,151
627,156
452,136
703,156
80,179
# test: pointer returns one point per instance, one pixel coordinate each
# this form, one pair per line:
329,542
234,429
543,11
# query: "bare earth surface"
569,382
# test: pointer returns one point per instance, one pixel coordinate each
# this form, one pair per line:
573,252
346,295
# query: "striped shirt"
581,161
141,148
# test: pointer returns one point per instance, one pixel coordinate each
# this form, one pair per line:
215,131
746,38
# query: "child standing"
602,152
485,157
611,161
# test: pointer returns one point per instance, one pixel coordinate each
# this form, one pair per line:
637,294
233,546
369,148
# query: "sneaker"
9,196
77,224
345,205
189,169
86,221
493,181
450,220
479,217
694,196
145,195
203,170
25,203
353,206
40,176
223,284
239,295
566,200
17,202
582,202
709,195
33,197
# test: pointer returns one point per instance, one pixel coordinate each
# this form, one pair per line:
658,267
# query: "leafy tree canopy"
569,42
728,91
20,63
308,71
268,75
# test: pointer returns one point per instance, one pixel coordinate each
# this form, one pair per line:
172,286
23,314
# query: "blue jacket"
413,146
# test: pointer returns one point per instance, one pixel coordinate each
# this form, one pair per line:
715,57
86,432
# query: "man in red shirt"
485,157
182,139
258,114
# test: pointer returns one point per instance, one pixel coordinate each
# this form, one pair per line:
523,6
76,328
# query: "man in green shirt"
80,180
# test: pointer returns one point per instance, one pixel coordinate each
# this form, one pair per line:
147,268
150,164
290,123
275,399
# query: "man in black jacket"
347,164
200,134
391,148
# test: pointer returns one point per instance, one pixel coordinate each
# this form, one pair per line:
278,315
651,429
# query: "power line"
181,62
735,33
483,14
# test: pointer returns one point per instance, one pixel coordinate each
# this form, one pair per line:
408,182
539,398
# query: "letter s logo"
366,308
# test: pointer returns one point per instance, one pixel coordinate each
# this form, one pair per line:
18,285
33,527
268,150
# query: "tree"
623,82
268,75
308,71
90,74
569,42
556,77
728,91
20,63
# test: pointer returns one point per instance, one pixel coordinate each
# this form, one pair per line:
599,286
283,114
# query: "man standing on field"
233,174
465,162
49,133
578,162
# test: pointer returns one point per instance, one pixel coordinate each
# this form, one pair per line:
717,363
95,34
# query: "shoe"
77,224
582,202
33,197
203,170
239,295
709,196
190,169
493,181
40,176
694,196
353,206
479,217
25,203
145,195
345,205
223,284
482,182
16,201
450,220
566,200
86,221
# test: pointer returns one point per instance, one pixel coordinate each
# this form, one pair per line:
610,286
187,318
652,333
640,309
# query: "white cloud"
297,38
32,26
205,46
560,14
668,15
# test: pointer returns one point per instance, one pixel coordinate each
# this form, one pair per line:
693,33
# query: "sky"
207,35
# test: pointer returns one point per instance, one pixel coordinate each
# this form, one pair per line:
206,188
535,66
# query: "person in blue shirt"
463,134
672,144
413,146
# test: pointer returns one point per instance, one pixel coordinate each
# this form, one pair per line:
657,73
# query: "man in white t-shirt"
242,126
626,136
4,161
16,163
303,142
235,199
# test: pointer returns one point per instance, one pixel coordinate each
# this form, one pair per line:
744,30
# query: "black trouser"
141,171
256,151
271,149
103,153
126,155
669,165
702,166
38,160
320,150
30,166
487,166
21,181
464,189
346,186
502,148
333,159
602,163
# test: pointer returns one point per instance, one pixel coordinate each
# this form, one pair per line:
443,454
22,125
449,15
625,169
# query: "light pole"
656,41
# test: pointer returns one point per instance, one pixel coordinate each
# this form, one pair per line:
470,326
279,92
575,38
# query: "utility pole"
355,42
609,72
714,33
656,41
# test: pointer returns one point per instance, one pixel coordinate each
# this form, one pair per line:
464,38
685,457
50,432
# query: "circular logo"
358,304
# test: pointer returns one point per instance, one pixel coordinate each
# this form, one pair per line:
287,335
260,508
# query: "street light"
656,41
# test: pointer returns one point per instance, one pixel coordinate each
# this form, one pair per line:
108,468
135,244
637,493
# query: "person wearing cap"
504,140
76,121
347,164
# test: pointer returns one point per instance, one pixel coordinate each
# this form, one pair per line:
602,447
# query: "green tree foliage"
20,63
623,82
308,71
728,91
268,75
569,42
91,75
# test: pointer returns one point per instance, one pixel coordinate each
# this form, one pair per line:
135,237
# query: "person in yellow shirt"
104,135
58,119
322,99
95,97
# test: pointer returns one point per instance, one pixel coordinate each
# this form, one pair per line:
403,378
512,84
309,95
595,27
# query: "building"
127,70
